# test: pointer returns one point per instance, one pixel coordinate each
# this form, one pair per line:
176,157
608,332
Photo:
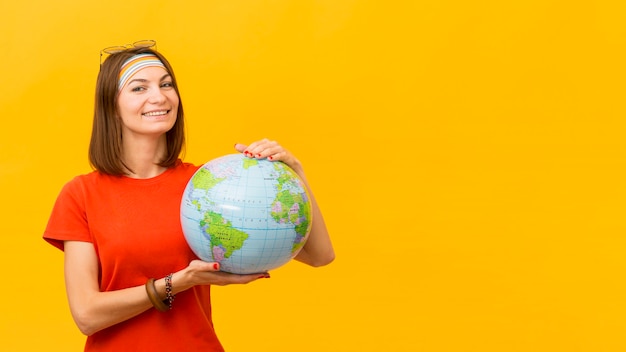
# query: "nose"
156,96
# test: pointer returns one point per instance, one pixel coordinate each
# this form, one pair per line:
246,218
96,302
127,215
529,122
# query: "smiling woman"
148,106
147,98
124,78
120,225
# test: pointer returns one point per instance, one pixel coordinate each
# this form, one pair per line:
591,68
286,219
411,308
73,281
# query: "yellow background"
468,156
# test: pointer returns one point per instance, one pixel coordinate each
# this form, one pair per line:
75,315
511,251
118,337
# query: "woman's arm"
94,310
318,249
91,309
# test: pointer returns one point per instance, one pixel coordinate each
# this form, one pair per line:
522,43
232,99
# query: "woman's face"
148,103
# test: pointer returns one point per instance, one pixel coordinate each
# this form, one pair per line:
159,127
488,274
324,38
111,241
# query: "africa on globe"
250,215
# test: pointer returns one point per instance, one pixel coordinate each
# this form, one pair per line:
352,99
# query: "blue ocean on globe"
250,215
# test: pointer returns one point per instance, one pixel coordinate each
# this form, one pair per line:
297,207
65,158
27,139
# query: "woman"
125,253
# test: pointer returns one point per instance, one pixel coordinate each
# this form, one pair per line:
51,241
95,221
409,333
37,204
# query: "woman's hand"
207,273
271,150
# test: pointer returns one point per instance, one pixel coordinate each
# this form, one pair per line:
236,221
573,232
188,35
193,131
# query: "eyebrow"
142,80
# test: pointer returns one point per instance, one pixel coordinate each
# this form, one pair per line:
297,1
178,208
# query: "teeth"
155,113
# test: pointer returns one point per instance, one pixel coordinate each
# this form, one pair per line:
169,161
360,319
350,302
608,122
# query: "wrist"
161,292
181,281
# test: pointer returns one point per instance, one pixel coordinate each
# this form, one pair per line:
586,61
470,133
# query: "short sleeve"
68,220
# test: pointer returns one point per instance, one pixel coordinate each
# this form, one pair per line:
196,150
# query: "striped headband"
136,63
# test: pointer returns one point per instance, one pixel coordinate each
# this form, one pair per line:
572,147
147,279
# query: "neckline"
151,180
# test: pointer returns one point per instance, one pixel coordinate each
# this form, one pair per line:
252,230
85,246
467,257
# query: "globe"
249,215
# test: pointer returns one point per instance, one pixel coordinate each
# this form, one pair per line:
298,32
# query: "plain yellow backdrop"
469,158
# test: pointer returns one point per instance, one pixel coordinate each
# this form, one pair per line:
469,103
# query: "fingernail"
216,266
270,157
258,155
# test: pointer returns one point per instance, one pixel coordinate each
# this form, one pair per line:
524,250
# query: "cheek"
127,106
174,99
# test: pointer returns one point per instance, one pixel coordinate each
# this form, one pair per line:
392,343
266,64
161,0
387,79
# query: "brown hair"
105,147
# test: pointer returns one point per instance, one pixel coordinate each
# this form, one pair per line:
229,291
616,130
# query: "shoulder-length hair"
105,147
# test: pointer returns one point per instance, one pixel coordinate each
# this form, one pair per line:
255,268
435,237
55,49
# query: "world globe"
250,215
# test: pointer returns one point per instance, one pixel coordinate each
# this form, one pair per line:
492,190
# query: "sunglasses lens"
104,53
113,49
144,44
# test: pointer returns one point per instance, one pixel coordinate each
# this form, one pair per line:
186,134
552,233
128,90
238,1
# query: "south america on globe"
250,215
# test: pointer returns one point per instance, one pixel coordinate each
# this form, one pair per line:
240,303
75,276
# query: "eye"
138,89
167,85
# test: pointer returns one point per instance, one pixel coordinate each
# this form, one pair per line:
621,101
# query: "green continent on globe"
288,202
248,162
286,177
222,234
290,207
204,179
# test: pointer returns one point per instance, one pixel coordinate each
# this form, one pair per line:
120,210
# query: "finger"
241,279
240,147
279,155
256,144
264,275
270,150
254,277
257,149
200,265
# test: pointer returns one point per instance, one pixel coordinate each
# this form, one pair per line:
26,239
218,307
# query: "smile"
156,113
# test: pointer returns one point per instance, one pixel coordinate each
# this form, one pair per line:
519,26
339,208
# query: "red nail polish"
258,155
270,157
216,266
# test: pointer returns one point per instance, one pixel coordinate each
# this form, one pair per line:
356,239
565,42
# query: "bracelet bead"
168,291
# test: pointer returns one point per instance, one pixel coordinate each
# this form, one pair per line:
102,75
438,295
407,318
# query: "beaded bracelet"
168,290
154,296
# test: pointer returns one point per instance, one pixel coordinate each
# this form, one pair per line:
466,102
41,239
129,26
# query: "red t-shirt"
134,225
